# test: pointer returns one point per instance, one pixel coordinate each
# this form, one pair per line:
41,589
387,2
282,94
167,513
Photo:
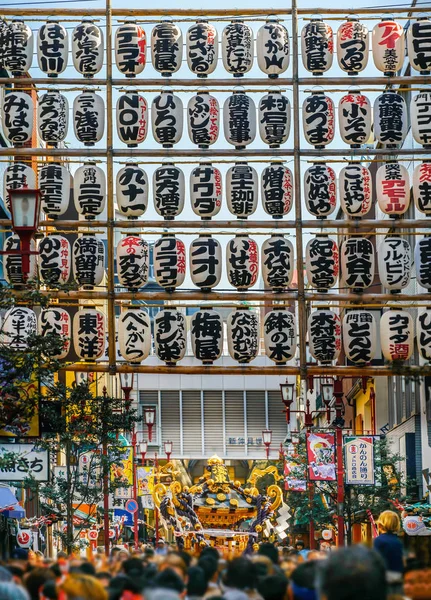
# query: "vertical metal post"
105,478
135,455
339,406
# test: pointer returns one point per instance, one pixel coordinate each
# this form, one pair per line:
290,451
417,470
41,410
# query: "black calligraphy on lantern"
207,335
277,190
243,335
89,259
167,119
422,187
205,262
206,190
390,118
421,118
359,336
169,262
136,335
242,262
132,118
90,188
239,120
56,321
352,52
87,46
358,262
355,119
166,47
132,262
54,259
280,335
277,262
393,190
54,184
424,334
355,190
242,190
389,49
318,116
419,38
19,324
273,48
88,117
168,191
90,334
395,262
130,48
52,48
53,117
203,112
132,191
423,262
17,47
320,190
237,48
274,119
17,175
399,335
202,50
317,46
13,262
325,335
322,262
170,335
18,117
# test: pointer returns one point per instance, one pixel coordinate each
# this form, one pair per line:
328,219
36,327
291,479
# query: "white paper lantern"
16,51
423,262
52,48
205,262
272,46
88,117
167,119
279,327
390,119
359,336
239,120
207,335
130,48
203,113
87,48
355,190
168,190
357,262
12,263
324,335
202,48
274,119
56,321
132,191
17,175
242,190
243,335
423,334
54,185
317,46
320,190
18,110
170,335
395,260
53,117
322,262
89,334
277,262
132,118
134,335
393,188
169,256
419,45
277,190
18,325
354,116
388,46
206,190
242,262
237,48
422,187
318,119
132,262
55,259
166,48
397,335
420,117
352,46
89,190
88,261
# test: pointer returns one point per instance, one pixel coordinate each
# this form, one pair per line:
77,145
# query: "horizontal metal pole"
393,9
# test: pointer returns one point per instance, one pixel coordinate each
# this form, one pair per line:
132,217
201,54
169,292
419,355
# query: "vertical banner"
321,456
143,475
359,460
123,470
294,477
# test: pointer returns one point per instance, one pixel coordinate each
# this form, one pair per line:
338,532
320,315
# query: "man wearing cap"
161,547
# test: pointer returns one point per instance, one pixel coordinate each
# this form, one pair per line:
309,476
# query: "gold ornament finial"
215,460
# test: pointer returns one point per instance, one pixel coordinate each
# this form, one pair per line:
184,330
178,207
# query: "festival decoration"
166,48
277,262
320,190
53,117
279,328
52,48
132,191
205,262
355,190
18,110
202,48
272,48
54,184
87,48
132,262
242,189
132,118
393,188
354,118
170,335
88,117
56,321
206,190
324,335
134,334
19,324
207,335
322,262
352,46
88,261
317,46
396,335
89,190
243,335
318,119
89,334
169,255
357,262
54,259
359,336
130,48
203,113
168,190
394,259
237,48
239,120
167,119
277,190
419,44
242,262
388,46
274,119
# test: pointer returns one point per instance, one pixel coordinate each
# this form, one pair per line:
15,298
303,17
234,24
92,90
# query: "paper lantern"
419,45
320,190
237,48
132,262
169,256
277,262
317,46
166,48
130,48
242,189
357,262
89,190
53,117
88,117
318,119
87,48
16,51
202,48
359,336
203,119
422,187
89,334
354,116
54,259
205,262
279,337
167,119
12,263
239,120
324,335
393,188
355,190
272,46
88,261
168,190
132,118
423,262
18,110
242,262
19,324
243,335
322,262
388,46
17,175
170,335
395,260
274,119
206,190
54,185
423,334
277,190
396,334
132,191
352,46
134,335
390,119
56,321
420,117
52,48
207,335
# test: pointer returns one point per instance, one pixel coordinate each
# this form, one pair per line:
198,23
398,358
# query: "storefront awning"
9,506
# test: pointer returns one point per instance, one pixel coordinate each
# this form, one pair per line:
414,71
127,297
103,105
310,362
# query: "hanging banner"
14,407
294,476
124,471
143,475
321,457
359,460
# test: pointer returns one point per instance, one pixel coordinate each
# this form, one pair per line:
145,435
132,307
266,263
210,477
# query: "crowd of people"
167,573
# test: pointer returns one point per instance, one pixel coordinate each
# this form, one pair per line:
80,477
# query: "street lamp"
168,449
126,383
143,447
327,395
287,392
267,438
150,418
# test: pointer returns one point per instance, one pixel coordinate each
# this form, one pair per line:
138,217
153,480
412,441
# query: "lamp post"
143,447
126,383
267,439
143,450
150,419
168,449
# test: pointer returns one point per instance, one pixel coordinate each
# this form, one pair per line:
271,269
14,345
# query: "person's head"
263,565
133,567
240,574
83,587
114,552
34,580
49,591
316,555
104,577
388,522
168,579
175,563
269,550
273,587
302,581
209,566
210,551
353,573
12,591
299,545
87,568
197,583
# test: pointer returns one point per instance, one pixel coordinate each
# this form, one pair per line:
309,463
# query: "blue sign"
123,515
131,505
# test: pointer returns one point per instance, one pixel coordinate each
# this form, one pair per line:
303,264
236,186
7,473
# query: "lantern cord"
204,158
211,19
423,88
39,161
355,160
36,88
205,89
47,19
365,17
242,232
